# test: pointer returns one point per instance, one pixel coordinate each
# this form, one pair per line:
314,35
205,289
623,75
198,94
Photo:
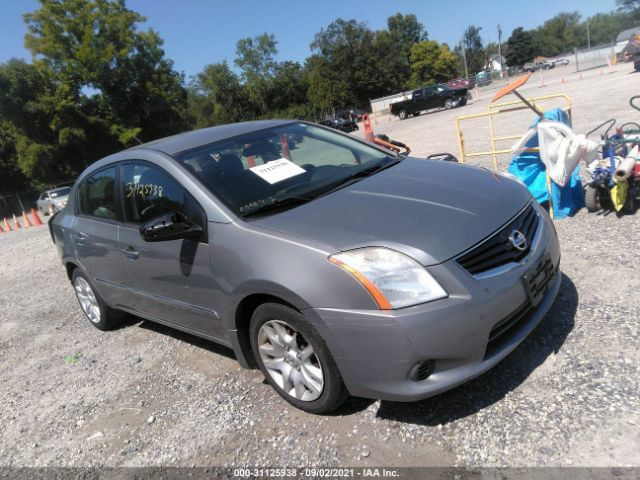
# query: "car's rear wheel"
97,312
402,114
295,360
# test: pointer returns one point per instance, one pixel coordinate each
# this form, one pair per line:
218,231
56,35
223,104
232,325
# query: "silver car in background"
53,200
335,266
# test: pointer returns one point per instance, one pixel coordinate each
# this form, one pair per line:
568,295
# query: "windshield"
284,165
60,192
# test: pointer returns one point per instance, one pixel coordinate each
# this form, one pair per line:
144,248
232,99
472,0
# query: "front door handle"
130,253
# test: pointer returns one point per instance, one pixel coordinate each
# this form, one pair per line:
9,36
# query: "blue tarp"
528,167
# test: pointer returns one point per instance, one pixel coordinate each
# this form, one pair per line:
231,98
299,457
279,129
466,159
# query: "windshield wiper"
288,202
354,177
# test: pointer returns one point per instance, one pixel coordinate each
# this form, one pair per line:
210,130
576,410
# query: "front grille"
498,250
506,328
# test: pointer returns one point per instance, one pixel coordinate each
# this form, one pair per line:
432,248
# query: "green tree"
431,63
360,63
474,50
217,96
560,34
406,30
256,58
520,49
95,44
328,88
46,139
288,86
605,27
12,179
630,6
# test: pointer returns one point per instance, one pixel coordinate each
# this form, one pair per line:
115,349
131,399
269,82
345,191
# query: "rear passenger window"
149,192
96,195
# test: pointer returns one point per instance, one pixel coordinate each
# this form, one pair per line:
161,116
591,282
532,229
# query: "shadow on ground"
185,337
493,385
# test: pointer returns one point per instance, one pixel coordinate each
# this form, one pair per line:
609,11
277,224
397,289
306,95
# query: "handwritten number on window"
144,190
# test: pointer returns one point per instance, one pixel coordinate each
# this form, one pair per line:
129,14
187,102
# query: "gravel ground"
145,395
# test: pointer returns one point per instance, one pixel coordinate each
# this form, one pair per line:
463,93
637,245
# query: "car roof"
187,140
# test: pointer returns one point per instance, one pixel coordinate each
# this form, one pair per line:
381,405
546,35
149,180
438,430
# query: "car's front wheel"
295,360
99,314
448,103
402,114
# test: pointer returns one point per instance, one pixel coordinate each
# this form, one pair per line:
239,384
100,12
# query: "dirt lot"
146,395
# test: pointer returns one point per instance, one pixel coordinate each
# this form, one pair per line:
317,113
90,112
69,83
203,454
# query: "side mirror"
170,226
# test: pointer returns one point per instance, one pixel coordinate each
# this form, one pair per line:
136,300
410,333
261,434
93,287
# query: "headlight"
393,279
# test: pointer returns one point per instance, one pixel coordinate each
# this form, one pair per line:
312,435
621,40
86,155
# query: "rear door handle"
130,253
79,237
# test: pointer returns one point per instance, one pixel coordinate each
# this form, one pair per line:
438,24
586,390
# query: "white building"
497,62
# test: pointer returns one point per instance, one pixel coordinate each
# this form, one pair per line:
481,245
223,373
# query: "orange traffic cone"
7,226
35,218
15,221
25,220
368,131
1,230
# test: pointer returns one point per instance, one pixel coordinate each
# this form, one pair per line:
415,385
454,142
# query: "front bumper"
375,351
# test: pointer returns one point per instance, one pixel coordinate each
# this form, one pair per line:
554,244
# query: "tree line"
568,30
97,83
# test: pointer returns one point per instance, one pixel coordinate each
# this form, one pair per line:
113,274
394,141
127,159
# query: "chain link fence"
594,57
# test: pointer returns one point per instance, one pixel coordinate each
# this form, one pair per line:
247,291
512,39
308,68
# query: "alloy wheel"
290,360
87,299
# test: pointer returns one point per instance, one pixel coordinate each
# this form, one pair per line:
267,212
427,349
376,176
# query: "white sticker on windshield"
277,170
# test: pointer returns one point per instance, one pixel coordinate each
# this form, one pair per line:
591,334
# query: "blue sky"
199,32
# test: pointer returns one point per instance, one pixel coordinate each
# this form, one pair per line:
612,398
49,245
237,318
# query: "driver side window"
148,192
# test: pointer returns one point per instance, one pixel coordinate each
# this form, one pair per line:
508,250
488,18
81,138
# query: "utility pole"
464,58
500,48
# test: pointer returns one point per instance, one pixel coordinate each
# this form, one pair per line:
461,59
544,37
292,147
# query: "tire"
97,312
281,333
448,104
592,199
630,202
403,114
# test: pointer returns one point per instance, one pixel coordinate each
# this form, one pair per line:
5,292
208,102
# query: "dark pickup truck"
437,96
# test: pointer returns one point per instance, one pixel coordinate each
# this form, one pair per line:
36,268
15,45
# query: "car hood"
431,210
